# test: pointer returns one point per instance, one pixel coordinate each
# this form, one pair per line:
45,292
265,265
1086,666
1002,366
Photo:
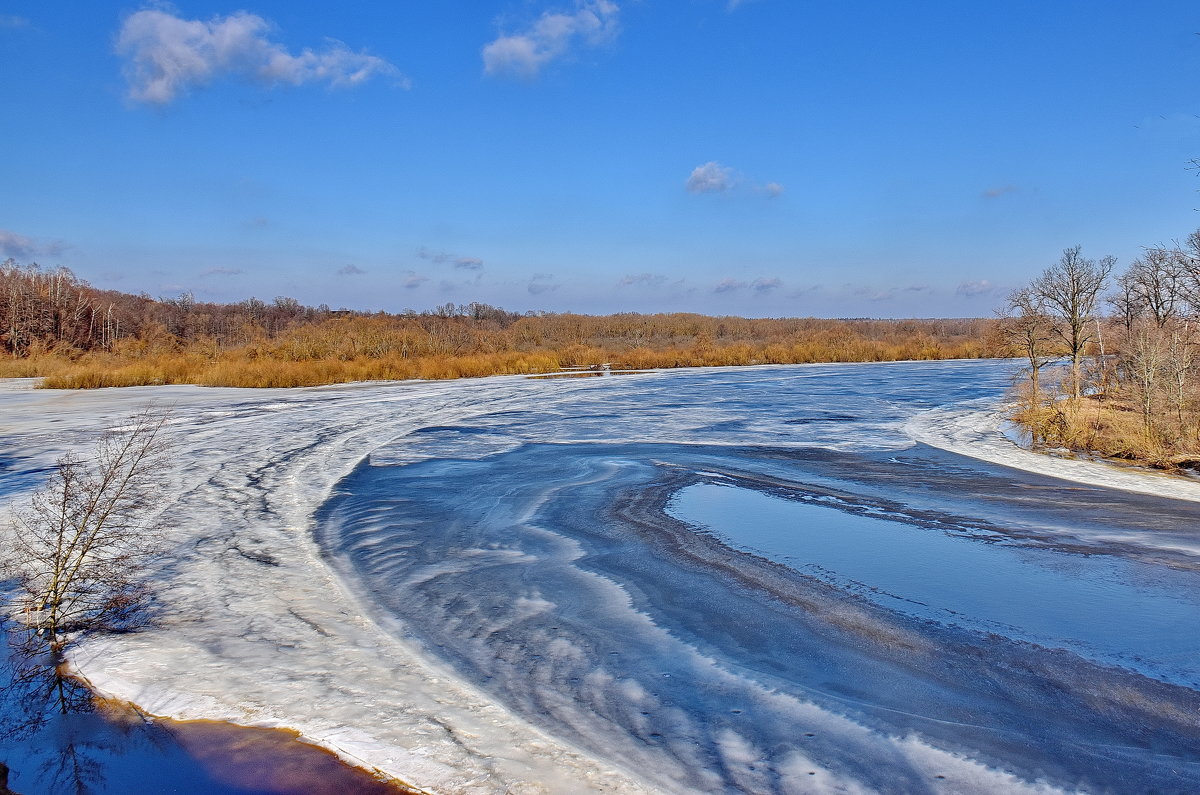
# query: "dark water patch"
822,418
465,430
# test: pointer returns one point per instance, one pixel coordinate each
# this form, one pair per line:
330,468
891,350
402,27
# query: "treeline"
58,326
1131,384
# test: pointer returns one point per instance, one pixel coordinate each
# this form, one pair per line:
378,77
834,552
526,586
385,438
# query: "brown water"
56,737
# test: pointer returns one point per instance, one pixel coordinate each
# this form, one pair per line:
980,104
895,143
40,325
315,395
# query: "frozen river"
780,579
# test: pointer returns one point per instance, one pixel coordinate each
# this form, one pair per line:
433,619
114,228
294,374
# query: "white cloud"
766,285
167,55
712,177
469,263
13,21
350,270
414,280
592,22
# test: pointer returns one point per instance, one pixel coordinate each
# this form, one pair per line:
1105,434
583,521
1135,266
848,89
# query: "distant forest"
58,326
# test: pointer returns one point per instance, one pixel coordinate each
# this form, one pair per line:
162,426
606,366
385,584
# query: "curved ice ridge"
975,429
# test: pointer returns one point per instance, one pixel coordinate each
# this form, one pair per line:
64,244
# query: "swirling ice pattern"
515,609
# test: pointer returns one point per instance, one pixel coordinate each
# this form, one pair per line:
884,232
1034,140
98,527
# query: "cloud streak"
166,55
970,289
997,192
551,36
648,279
444,257
22,247
763,285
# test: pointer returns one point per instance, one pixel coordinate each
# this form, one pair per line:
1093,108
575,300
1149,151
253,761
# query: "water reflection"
44,721
56,737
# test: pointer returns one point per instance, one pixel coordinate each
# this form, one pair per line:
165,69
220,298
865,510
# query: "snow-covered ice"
418,576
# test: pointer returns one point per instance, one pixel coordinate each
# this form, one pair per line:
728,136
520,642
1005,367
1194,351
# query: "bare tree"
79,550
1155,281
1180,368
1027,327
1144,358
1071,289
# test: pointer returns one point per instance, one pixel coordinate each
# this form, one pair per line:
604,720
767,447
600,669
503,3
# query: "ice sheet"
258,628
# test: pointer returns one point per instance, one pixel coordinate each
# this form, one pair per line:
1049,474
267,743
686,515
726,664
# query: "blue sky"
761,158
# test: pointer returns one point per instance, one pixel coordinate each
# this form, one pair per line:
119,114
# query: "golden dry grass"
386,348
1110,428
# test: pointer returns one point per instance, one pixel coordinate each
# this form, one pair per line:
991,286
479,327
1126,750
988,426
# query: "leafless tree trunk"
1027,327
1145,358
80,549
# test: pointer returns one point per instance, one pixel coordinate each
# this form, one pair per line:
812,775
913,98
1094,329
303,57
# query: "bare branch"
79,549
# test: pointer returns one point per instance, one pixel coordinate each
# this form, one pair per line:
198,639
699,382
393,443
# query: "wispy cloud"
760,286
542,283
551,36
14,245
713,177
647,279
888,293
1000,190
350,270
222,272
436,257
167,55
13,21
729,286
414,280
971,289
22,247
444,257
